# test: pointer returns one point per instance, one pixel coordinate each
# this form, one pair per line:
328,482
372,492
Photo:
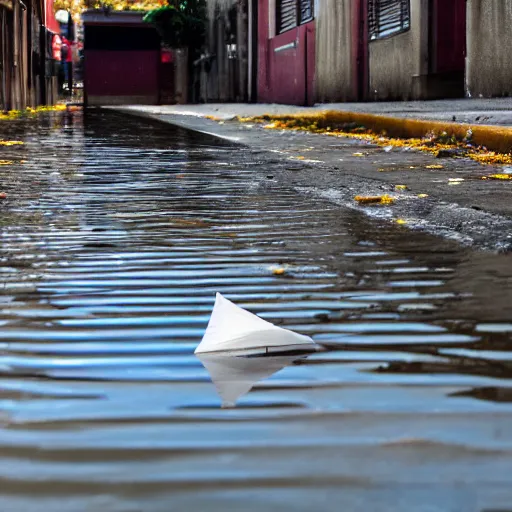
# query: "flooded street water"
114,238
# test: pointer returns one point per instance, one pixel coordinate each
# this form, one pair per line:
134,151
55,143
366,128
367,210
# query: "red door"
291,66
360,50
448,36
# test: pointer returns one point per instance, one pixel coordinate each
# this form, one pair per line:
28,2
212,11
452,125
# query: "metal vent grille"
388,17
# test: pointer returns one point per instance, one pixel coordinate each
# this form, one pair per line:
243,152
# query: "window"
388,17
306,11
291,13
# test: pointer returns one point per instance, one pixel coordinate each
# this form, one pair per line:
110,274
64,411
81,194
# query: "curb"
494,138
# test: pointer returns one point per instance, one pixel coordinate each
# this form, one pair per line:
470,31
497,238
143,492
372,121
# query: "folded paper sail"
234,329
235,376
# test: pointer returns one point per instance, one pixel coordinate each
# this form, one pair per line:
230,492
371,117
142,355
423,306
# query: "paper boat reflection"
234,376
233,329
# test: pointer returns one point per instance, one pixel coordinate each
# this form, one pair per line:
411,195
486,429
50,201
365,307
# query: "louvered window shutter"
388,17
286,15
306,10
291,13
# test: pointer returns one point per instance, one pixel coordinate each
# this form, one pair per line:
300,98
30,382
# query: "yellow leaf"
400,187
435,167
6,162
401,221
498,177
385,199
11,143
278,271
357,154
422,196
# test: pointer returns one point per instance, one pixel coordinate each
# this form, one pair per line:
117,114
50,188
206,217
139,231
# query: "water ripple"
114,241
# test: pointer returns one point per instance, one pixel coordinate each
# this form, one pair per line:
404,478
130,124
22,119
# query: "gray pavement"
460,205
476,111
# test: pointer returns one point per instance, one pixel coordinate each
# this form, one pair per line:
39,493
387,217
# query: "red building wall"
50,22
286,62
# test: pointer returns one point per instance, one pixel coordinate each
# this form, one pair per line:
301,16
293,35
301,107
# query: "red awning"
50,22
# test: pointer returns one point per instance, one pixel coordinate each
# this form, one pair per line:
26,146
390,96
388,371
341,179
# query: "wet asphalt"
115,235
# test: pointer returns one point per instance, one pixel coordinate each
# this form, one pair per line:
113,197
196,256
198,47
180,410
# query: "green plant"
180,23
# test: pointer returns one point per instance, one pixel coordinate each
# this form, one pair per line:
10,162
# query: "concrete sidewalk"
487,122
496,112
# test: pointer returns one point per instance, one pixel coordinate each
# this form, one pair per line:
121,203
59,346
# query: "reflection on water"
114,238
235,376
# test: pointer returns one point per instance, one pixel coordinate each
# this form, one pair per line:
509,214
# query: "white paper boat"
233,329
234,376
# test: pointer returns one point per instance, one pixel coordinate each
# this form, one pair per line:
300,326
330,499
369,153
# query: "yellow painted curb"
495,138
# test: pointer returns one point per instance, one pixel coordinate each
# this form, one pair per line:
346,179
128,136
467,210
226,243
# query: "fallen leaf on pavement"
278,271
6,162
498,177
357,154
401,221
3,195
386,169
11,143
400,187
422,196
435,167
385,199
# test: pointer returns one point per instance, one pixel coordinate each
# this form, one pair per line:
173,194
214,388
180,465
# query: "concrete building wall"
489,48
398,65
335,80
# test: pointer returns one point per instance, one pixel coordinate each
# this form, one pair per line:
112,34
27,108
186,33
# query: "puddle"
115,236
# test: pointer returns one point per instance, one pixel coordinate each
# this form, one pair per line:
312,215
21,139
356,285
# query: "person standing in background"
67,58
